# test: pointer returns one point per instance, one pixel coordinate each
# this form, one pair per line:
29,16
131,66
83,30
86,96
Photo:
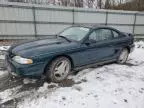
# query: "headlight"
22,60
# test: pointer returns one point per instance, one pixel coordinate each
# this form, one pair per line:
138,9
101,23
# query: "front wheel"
59,69
123,56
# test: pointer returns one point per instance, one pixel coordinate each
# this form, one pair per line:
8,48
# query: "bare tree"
16,0
89,3
79,3
99,3
134,5
107,4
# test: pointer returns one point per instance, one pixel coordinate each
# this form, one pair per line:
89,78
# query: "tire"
123,56
58,70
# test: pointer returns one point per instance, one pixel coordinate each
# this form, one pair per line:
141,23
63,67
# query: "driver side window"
100,35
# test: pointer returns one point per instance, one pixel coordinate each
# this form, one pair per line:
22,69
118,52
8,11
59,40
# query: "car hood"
41,47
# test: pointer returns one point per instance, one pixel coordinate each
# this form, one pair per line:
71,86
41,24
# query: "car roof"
92,26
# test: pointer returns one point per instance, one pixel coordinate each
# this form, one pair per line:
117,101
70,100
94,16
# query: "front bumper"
32,70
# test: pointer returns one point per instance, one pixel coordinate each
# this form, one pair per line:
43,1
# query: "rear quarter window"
115,34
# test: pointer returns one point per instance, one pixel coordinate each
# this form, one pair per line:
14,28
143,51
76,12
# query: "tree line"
133,5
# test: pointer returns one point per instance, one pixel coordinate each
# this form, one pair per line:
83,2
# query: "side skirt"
94,64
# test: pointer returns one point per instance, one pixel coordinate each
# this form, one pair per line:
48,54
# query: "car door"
99,46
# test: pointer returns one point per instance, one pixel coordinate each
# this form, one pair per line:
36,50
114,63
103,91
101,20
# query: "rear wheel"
59,69
123,56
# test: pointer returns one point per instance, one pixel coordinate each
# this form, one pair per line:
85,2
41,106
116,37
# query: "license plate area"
9,68
8,65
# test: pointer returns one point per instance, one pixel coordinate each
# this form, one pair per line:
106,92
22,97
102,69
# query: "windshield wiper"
65,38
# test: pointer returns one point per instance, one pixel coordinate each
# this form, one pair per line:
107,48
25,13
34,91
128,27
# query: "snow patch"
4,48
27,81
108,86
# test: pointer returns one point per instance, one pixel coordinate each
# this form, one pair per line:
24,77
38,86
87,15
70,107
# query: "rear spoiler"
128,34
131,37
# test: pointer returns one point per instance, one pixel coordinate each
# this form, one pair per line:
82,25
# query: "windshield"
75,33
